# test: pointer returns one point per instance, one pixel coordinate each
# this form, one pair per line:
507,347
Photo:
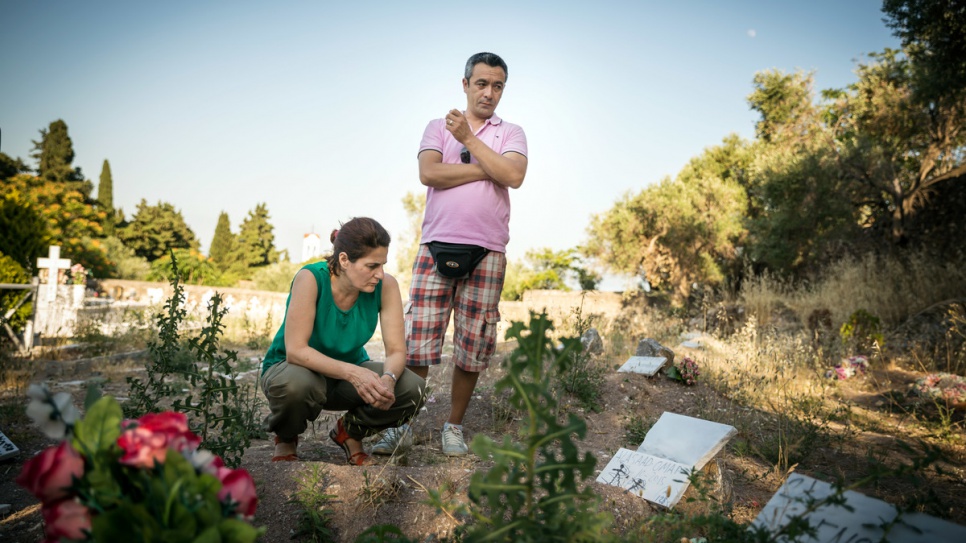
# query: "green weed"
315,519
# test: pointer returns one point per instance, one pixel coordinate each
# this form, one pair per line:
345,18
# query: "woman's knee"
412,390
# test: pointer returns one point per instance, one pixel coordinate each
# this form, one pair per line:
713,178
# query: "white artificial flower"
201,459
53,413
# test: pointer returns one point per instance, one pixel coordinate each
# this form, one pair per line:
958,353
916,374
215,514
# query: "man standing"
468,160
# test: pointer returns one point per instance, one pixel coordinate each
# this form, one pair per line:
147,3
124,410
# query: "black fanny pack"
456,260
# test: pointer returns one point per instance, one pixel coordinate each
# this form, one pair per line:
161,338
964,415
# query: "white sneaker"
453,444
394,440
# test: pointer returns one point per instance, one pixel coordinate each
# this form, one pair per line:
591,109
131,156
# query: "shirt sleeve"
432,137
515,141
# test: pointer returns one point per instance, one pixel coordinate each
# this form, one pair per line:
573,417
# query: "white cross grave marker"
53,264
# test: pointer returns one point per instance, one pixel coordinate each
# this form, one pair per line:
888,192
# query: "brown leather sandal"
287,457
340,436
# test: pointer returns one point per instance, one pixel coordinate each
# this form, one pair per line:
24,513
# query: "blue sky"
317,108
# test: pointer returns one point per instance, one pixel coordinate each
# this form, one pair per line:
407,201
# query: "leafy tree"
892,146
124,263
256,240
55,156
682,230
408,244
23,230
933,35
799,208
105,197
154,230
194,267
10,167
222,244
547,269
276,277
71,220
12,272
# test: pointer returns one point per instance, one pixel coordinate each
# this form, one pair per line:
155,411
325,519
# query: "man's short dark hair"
490,59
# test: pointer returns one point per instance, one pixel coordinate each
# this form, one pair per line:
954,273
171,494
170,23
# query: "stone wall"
255,304
560,306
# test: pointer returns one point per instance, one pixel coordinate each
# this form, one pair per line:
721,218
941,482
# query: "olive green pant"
296,395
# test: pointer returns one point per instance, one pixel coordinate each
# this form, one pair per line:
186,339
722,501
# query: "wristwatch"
391,374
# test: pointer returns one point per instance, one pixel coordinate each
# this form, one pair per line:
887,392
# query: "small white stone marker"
659,470
691,344
686,440
7,448
647,365
865,522
655,479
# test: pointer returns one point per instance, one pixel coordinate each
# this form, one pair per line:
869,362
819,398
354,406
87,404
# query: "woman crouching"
318,358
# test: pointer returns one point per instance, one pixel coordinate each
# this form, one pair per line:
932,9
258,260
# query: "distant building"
311,246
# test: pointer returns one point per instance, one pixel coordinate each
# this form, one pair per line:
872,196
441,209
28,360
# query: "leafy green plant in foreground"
223,413
532,491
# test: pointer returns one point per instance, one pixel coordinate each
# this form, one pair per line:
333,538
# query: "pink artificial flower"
66,519
50,474
147,443
239,486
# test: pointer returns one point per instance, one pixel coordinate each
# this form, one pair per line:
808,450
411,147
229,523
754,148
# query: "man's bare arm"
433,173
507,170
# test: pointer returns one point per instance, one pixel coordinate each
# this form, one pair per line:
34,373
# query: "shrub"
532,491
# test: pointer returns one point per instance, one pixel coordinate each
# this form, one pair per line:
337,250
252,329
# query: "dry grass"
890,288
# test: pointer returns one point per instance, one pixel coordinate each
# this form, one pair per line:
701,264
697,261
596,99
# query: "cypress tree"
222,244
256,240
55,155
105,197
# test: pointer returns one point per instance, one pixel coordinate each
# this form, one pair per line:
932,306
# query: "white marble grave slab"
657,480
864,523
7,448
686,440
648,365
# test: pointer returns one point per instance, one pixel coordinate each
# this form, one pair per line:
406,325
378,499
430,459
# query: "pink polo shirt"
476,213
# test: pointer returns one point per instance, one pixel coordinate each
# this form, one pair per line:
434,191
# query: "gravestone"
7,448
57,304
592,342
53,264
647,365
867,521
658,471
650,347
687,440
657,480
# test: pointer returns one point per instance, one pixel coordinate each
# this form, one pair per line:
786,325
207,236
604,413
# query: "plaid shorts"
433,298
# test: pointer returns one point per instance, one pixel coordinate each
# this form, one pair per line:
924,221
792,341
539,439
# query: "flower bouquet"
946,387
848,367
112,479
686,373
78,274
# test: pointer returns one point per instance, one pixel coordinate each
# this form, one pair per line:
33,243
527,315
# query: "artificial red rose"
49,474
147,443
66,519
238,484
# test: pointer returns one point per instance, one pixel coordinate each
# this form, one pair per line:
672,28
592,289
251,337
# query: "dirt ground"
394,491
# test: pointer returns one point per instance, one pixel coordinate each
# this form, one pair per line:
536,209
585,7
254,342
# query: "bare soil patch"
394,491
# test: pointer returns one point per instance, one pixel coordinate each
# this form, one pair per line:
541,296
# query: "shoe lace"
453,433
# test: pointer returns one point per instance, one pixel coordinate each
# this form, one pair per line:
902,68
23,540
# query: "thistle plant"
164,351
219,410
532,493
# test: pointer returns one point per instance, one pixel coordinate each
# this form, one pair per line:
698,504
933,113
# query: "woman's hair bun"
333,235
